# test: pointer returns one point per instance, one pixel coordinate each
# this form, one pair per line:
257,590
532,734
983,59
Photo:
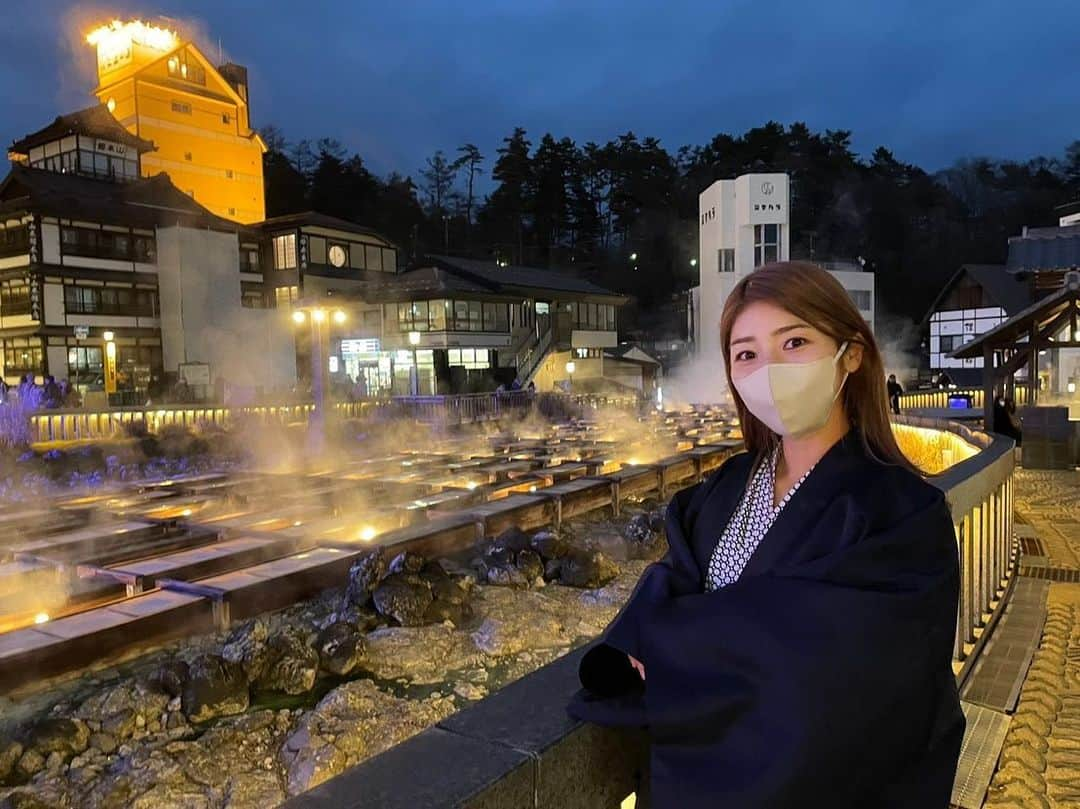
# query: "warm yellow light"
114,41
1071,387
318,315
186,512
111,104
414,338
339,317
110,350
108,336
570,367
632,462
472,484
298,317
367,533
41,617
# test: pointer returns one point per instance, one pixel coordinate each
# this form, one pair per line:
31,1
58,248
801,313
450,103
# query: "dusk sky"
395,81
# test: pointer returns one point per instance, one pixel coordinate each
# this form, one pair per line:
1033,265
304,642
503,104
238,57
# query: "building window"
766,244
285,252
14,240
249,258
861,298
14,298
23,355
592,316
286,296
129,302
181,68
471,358
181,107
950,342
226,118
86,367
79,241
726,261
253,296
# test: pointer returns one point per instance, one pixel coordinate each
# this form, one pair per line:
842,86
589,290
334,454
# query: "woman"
793,649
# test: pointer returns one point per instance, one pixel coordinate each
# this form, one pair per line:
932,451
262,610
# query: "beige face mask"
793,398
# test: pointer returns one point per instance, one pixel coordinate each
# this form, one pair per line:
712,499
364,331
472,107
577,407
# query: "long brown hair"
816,297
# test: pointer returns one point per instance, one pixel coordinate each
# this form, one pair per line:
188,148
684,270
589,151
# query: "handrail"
518,747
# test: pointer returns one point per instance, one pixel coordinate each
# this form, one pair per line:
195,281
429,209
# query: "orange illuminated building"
164,89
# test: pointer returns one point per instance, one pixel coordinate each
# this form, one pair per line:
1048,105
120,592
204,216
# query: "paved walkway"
1039,767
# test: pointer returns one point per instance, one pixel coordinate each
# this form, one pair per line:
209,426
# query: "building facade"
89,246
743,224
164,89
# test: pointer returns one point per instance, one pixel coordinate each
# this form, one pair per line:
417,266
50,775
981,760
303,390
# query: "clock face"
337,255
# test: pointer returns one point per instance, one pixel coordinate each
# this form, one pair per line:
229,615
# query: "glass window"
475,316
419,316
766,244
374,257
252,295
285,252
437,315
489,317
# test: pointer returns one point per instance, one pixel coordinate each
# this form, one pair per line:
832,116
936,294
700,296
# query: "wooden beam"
1046,333
988,388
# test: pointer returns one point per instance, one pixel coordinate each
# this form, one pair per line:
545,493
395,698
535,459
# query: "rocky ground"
286,701
1039,766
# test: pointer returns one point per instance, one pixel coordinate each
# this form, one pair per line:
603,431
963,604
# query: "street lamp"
414,371
693,262
320,349
570,368
633,256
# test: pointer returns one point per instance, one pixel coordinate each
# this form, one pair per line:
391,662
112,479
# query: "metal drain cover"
983,738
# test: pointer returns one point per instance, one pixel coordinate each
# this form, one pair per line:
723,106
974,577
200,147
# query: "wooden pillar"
989,379
1033,369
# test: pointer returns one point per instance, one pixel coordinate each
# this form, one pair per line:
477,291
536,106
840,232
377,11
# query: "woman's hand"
639,667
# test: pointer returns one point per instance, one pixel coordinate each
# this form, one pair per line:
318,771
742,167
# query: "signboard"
195,373
82,332
108,147
110,367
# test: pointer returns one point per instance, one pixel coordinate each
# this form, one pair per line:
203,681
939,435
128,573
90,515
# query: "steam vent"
297,510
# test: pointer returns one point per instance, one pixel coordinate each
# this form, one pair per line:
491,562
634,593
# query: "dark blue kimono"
822,677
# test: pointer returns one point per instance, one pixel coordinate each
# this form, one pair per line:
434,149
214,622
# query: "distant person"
1005,421
807,603
894,393
3,391
52,397
531,388
515,385
944,380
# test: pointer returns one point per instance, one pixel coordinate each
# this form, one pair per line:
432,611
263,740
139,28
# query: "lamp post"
317,317
570,368
414,371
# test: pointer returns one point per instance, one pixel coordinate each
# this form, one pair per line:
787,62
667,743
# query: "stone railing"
519,748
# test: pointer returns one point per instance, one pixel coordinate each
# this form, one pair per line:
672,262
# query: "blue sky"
398,79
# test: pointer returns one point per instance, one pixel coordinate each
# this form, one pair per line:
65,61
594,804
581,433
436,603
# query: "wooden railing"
939,398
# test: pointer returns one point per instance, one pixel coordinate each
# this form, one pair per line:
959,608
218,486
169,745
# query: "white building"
743,224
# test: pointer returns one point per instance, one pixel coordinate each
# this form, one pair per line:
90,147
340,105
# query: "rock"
433,573
10,754
637,529
170,677
552,569
504,574
340,647
440,611
512,539
104,742
452,590
364,576
55,761
470,692
120,724
30,764
176,720
407,562
57,735
530,565
657,518
292,665
174,704
421,655
587,570
246,646
404,597
351,724
129,698
549,545
642,542
215,687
